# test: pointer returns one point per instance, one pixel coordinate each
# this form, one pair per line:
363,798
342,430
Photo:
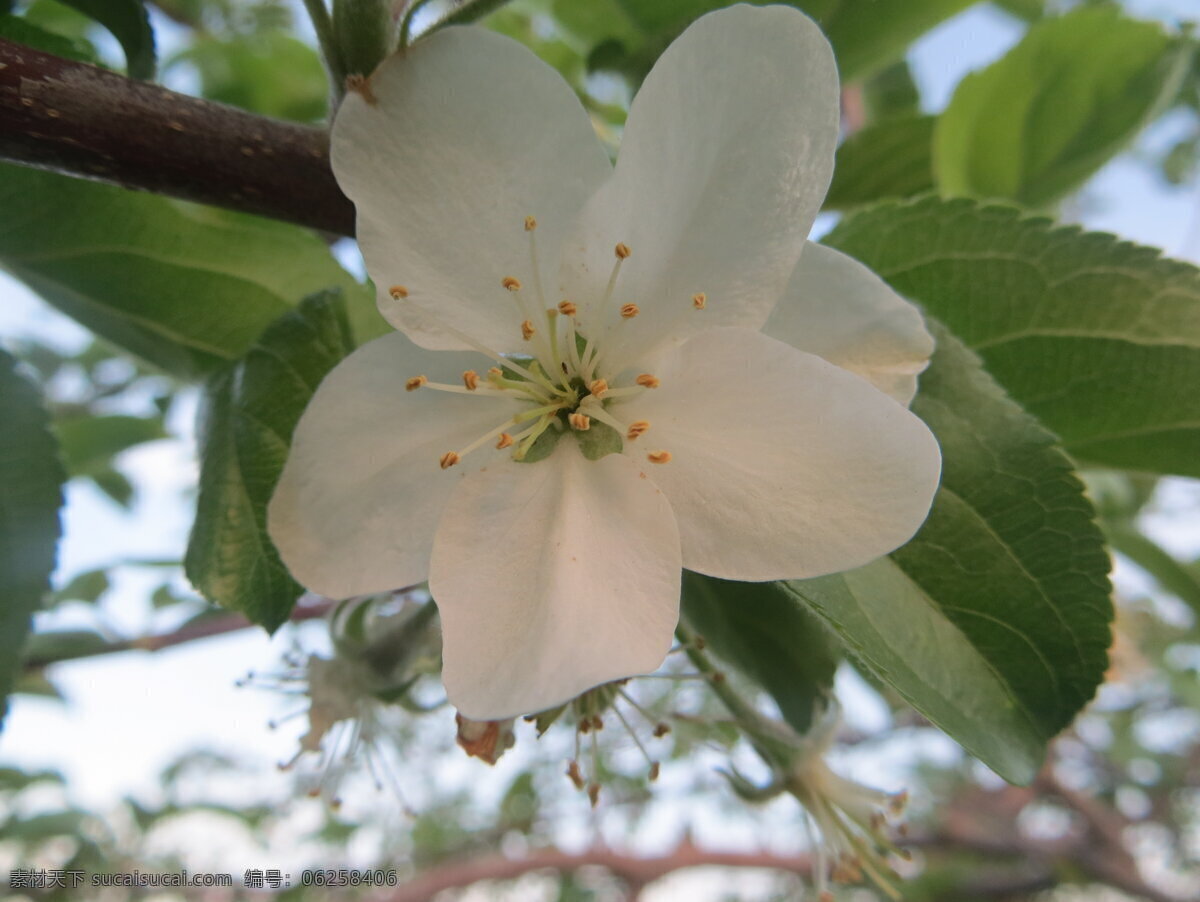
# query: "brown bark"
85,121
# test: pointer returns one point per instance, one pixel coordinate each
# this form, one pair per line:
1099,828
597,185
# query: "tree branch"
88,122
633,870
217,625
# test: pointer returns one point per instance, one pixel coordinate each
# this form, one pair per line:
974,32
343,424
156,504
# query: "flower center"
568,383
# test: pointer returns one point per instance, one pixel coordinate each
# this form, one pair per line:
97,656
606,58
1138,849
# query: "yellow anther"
598,386
580,421
530,223
645,380
511,283
629,311
699,300
398,292
470,380
495,372
414,383
527,330
659,457
567,308
505,440
622,250
449,459
636,429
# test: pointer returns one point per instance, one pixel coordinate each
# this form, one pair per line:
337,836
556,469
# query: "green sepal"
542,448
599,441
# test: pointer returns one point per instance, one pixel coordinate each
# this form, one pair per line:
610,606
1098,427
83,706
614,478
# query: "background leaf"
994,620
867,35
244,70
15,28
1097,338
89,443
890,159
129,24
185,288
246,430
31,479
1034,125
762,630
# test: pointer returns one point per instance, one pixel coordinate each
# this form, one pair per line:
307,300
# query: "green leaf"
762,630
244,71
891,159
1025,10
24,32
63,645
115,485
1036,124
89,443
1171,574
891,92
87,586
994,620
128,23
868,35
185,288
31,479
246,429
1097,338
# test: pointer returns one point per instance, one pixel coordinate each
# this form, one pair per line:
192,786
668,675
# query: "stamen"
470,379
488,352
506,440
511,283
659,457
629,311
637,428
449,459
415,382
580,421
598,387
531,435
636,741
592,351
530,223
574,773
699,300
567,308
648,381
592,406
398,292
527,330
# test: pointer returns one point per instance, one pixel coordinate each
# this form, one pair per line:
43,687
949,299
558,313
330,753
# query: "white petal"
726,157
783,466
551,578
838,309
468,134
356,507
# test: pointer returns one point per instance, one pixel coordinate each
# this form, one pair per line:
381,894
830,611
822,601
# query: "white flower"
487,213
